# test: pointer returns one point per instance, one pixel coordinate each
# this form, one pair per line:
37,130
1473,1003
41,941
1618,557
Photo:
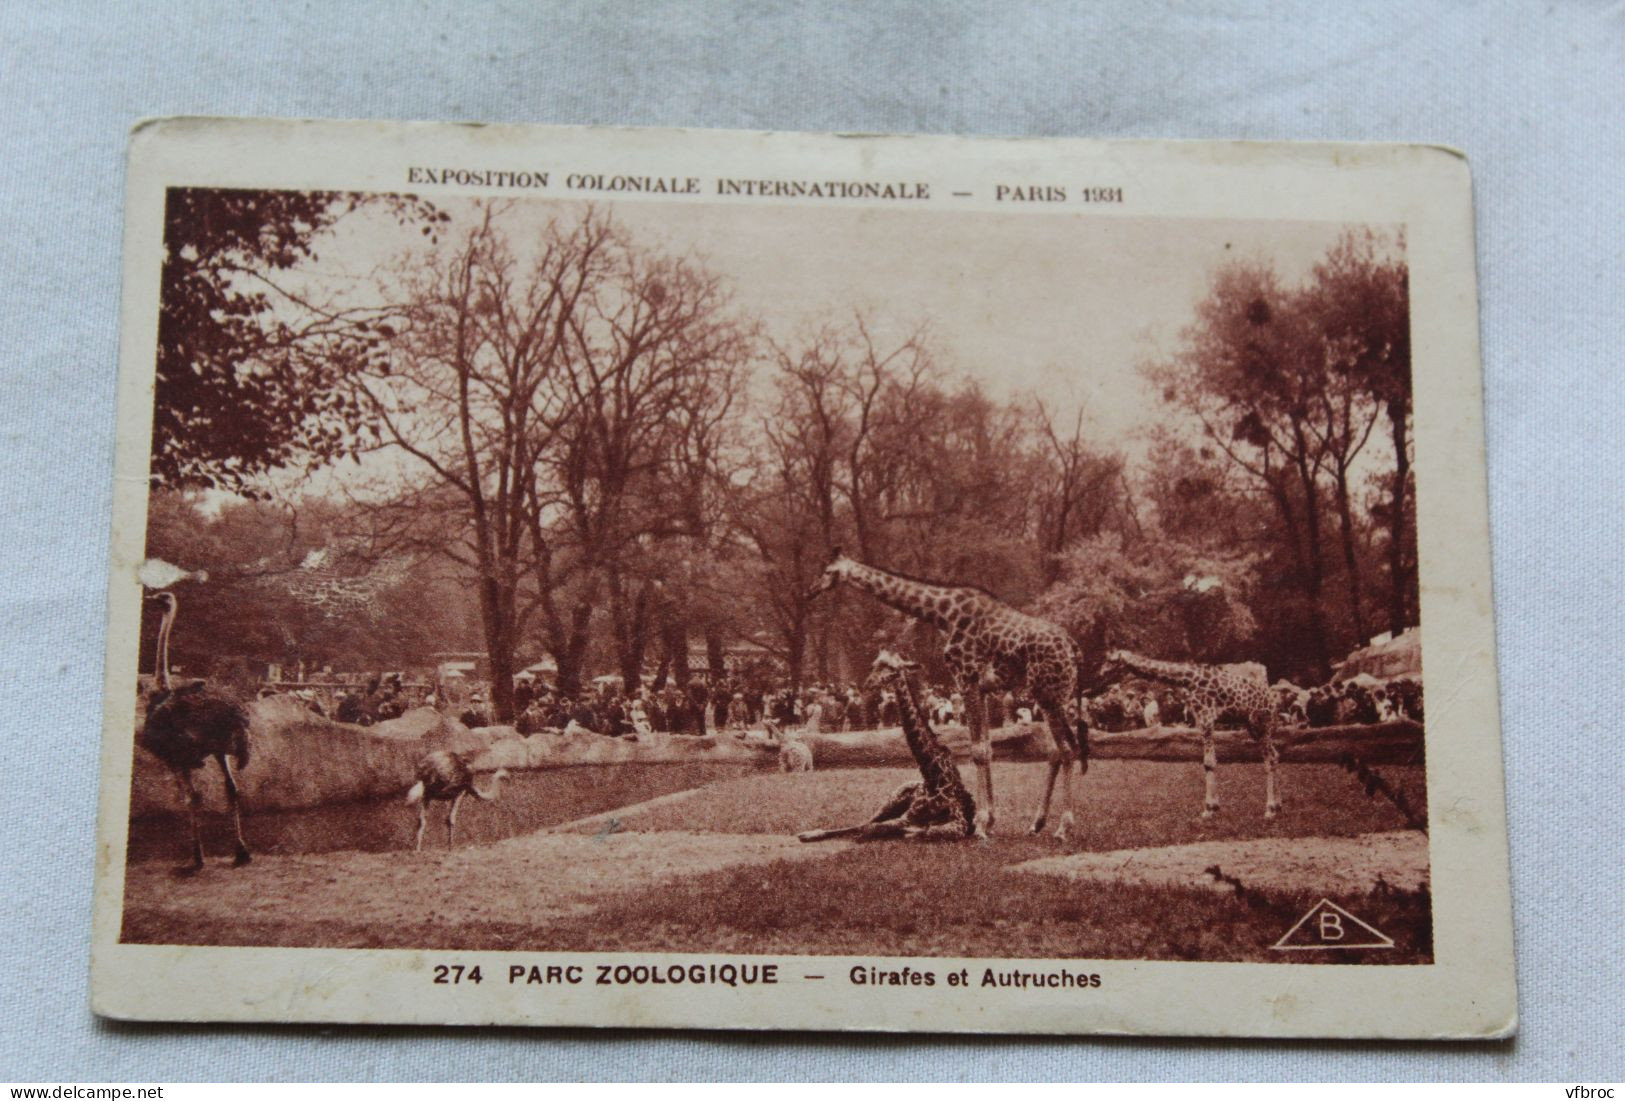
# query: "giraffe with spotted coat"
935,807
1024,654
1214,693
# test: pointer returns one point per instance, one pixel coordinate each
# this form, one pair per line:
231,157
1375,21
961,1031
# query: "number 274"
456,973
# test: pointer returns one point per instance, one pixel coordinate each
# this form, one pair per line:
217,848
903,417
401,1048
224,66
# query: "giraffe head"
1113,668
889,666
834,573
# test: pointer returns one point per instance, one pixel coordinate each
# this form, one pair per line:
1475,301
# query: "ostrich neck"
1166,671
916,598
162,657
489,794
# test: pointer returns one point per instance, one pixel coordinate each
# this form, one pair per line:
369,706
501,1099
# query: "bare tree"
471,397
1079,491
650,368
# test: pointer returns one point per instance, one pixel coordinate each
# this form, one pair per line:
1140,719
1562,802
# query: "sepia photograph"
636,570
548,575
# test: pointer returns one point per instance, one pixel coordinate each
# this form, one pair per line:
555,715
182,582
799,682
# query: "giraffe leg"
902,799
1272,757
1055,759
235,800
1061,756
451,818
1210,772
830,835
896,806
889,830
969,677
193,800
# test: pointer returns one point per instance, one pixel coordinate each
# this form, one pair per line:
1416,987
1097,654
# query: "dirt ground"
358,898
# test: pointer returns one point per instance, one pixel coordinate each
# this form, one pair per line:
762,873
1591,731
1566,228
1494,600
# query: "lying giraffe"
935,807
1212,693
1024,653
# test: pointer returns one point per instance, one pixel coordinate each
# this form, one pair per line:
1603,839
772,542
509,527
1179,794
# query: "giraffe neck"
1169,672
916,598
922,740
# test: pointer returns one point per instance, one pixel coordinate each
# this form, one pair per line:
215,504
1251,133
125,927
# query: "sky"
1062,305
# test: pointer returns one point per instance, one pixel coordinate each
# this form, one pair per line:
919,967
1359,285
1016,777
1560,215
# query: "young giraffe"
1025,654
1212,693
935,807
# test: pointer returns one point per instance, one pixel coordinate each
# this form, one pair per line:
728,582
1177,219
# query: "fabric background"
1534,93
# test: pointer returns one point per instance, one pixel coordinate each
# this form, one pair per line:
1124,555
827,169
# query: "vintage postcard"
747,580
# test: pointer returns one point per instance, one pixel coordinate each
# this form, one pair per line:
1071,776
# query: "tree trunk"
633,638
497,614
1314,574
795,645
1351,560
677,646
715,658
1398,580
569,647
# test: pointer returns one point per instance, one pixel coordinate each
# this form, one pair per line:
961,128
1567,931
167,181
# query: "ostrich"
445,775
185,727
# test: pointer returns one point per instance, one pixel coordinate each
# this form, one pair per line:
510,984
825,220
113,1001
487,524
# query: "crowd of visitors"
728,704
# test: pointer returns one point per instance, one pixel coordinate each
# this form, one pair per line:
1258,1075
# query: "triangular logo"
1328,925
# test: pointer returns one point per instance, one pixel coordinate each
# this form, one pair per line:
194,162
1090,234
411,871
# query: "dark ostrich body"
185,728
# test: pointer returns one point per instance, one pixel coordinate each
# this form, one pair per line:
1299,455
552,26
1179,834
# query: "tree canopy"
588,450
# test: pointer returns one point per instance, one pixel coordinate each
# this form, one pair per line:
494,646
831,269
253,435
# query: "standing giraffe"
1024,653
934,807
1212,693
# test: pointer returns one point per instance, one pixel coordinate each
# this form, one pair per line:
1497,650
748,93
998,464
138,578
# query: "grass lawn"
1122,804
963,899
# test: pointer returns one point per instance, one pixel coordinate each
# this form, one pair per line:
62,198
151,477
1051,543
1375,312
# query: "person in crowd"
583,716
558,715
813,716
699,695
613,717
834,710
351,708
639,718
531,720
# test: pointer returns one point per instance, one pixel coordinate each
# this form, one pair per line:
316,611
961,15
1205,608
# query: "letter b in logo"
1329,926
